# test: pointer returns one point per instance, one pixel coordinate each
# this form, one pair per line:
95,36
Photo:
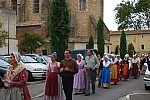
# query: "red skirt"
125,71
51,88
135,70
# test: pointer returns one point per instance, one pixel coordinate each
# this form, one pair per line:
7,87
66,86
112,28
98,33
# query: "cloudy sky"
109,14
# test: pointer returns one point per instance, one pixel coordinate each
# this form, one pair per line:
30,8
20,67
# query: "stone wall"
8,19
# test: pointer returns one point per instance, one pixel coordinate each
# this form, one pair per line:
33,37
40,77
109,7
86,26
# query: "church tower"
84,17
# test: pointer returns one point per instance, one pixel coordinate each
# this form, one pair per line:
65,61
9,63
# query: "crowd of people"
69,76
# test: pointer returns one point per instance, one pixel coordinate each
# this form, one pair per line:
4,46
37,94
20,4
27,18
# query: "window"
117,38
36,6
107,49
82,5
14,4
142,47
128,38
142,36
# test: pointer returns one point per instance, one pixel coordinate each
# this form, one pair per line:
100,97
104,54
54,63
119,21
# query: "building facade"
84,17
139,38
84,14
8,20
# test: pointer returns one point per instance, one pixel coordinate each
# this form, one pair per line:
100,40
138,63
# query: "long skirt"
51,88
135,70
79,81
125,71
12,93
115,73
106,77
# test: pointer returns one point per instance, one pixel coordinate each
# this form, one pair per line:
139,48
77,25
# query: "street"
115,92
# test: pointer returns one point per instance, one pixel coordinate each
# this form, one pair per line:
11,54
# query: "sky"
109,14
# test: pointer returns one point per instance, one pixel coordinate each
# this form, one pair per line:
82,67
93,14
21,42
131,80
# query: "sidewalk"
136,96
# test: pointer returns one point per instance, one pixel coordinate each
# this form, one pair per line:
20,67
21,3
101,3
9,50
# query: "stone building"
139,38
31,15
84,17
8,20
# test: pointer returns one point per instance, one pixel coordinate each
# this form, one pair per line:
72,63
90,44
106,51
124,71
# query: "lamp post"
8,32
9,8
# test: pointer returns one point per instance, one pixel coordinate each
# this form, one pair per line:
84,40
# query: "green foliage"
90,44
59,27
123,45
100,36
133,15
116,50
3,35
131,50
31,42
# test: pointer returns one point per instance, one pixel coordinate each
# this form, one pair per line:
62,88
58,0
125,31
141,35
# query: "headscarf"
54,54
106,56
80,56
17,56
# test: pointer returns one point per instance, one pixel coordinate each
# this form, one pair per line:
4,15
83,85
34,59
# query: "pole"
8,32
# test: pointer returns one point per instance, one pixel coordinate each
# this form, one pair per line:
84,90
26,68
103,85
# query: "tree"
31,42
131,50
133,14
123,45
90,44
3,35
116,50
100,36
59,27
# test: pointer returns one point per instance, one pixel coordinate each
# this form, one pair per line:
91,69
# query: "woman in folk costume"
106,72
126,68
15,80
79,78
53,88
115,70
135,68
120,65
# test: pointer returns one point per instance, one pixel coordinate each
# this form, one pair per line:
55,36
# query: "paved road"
115,91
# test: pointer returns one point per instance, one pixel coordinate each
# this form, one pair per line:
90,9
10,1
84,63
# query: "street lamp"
9,7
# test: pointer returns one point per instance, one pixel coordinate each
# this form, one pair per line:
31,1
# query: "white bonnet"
80,56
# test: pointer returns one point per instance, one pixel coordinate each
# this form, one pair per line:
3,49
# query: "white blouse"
106,64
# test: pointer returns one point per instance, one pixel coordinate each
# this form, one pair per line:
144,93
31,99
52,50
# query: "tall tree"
100,36
123,45
133,14
116,50
59,27
131,50
3,35
90,44
31,42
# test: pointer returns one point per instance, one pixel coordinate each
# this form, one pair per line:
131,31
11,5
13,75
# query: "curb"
40,95
128,96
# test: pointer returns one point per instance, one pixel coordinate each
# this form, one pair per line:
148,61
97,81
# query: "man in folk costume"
120,65
135,69
115,70
126,68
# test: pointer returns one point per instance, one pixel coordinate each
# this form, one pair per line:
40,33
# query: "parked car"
83,52
147,77
41,59
44,59
3,69
34,56
34,68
